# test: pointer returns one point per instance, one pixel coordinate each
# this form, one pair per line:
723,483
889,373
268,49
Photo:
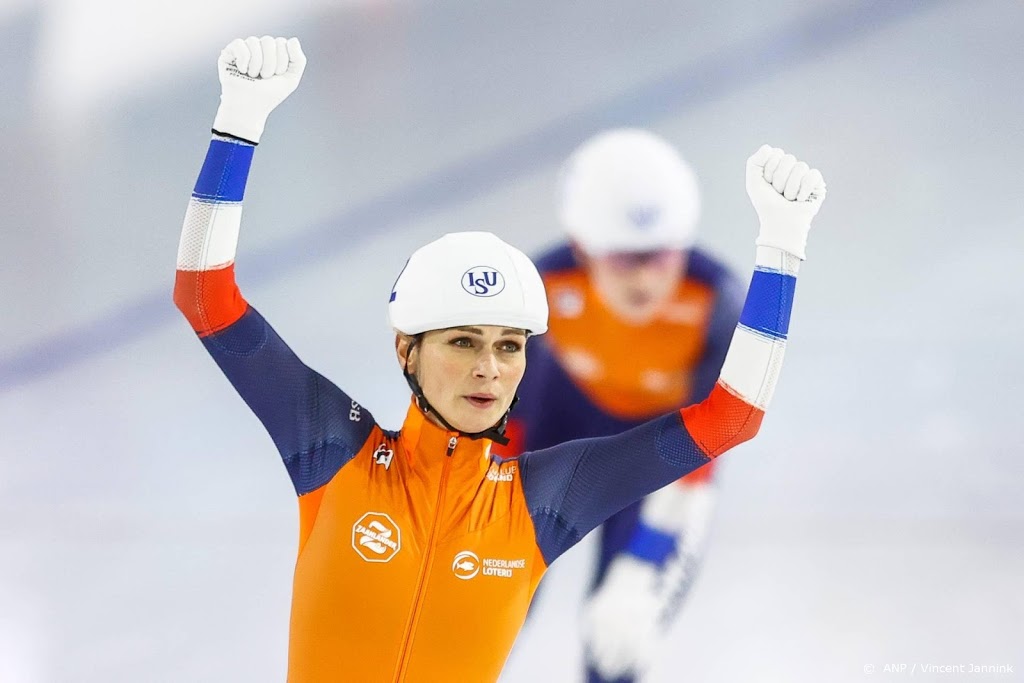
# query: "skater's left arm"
573,487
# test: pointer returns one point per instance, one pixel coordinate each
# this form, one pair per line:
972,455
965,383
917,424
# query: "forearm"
204,288
732,413
256,75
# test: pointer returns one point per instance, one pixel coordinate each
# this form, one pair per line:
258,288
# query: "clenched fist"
256,75
786,194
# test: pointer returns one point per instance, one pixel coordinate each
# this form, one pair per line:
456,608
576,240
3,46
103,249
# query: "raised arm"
573,487
315,426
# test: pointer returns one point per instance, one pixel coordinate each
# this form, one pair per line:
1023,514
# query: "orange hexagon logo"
376,537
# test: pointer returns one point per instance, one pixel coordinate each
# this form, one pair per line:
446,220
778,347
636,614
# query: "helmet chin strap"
496,433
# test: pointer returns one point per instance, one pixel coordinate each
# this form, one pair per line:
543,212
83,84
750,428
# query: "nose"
486,366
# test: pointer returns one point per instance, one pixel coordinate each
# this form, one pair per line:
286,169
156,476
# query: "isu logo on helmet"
466,565
643,217
483,281
376,537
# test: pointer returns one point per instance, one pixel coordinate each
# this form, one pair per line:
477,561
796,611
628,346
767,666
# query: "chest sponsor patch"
497,472
383,455
376,537
468,565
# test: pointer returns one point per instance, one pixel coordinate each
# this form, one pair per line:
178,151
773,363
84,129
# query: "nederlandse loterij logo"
466,565
376,537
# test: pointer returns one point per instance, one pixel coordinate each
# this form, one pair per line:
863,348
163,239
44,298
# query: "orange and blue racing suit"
419,550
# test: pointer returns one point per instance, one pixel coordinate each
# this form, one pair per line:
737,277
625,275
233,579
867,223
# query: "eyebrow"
477,330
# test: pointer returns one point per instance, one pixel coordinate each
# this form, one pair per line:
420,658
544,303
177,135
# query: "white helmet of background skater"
628,190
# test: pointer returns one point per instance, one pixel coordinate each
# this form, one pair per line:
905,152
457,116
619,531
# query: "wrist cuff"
229,136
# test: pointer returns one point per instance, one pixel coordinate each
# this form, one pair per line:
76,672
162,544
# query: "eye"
509,346
462,342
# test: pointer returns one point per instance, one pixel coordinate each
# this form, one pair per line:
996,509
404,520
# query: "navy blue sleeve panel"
316,427
557,258
705,268
572,488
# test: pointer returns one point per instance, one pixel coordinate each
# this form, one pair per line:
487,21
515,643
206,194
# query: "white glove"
256,75
786,194
621,628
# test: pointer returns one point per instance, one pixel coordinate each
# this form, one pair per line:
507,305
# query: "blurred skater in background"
641,320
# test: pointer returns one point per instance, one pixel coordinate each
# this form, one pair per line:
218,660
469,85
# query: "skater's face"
468,374
636,286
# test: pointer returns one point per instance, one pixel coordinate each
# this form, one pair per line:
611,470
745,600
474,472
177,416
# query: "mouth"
640,299
482,401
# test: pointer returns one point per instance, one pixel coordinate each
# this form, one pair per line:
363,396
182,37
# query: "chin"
473,423
638,316
478,425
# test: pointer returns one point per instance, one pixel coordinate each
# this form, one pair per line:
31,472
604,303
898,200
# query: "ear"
403,344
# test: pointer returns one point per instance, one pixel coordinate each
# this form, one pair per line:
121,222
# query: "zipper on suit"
403,660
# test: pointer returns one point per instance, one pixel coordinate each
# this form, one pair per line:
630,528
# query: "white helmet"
628,190
468,278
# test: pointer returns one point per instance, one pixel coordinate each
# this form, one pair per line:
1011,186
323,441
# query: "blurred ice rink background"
147,527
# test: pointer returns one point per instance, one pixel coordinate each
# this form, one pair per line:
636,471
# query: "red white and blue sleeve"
316,427
573,487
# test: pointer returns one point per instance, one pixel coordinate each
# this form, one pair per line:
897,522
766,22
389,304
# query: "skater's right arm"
316,427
